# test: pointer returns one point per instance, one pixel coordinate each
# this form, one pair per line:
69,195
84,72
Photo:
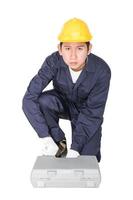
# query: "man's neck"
79,69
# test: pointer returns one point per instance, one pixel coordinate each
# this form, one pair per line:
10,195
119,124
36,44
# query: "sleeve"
40,80
90,117
30,103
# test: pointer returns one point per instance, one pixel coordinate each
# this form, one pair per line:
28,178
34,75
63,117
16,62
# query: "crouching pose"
81,83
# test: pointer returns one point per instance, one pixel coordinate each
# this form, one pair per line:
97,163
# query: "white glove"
49,146
72,153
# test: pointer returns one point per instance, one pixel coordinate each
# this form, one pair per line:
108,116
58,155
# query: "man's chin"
75,68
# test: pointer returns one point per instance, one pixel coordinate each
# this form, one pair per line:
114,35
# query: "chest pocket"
61,87
82,91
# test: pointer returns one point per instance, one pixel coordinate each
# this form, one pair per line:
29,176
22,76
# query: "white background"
28,33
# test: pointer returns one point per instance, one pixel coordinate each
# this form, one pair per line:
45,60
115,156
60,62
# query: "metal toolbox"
49,171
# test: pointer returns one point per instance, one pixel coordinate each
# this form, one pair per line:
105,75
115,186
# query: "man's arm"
30,103
40,80
91,114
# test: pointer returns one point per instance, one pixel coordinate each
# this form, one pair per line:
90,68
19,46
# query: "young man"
81,83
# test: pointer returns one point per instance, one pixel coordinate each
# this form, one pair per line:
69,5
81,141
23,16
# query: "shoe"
62,151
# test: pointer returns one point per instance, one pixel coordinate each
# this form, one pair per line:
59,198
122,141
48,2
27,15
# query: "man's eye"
67,48
80,48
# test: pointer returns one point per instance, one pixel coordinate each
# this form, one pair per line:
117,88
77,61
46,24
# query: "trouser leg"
53,107
92,146
35,116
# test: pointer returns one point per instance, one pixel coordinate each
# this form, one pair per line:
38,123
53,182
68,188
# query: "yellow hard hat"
75,30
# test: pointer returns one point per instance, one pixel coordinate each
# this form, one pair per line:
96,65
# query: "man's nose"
73,54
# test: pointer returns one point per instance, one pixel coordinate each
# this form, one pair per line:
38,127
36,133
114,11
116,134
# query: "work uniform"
82,102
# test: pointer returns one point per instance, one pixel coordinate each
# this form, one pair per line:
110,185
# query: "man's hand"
49,146
62,151
72,153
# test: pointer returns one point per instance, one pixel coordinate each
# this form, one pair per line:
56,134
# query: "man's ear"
59,49
90,47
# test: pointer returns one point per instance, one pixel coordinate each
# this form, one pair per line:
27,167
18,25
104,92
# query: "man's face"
74,54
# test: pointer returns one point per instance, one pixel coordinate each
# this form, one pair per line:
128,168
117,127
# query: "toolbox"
82,171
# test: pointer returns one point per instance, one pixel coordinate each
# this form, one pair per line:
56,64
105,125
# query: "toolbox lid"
51,162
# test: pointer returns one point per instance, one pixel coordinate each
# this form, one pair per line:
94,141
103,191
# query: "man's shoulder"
54,56
100,63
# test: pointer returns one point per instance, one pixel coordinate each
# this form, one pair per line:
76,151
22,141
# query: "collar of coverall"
89,64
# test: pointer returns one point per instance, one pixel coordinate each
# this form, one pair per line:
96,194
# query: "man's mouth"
73,63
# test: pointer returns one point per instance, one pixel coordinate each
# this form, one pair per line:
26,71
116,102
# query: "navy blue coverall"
82,103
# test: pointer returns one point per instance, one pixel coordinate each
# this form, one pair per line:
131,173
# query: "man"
81,84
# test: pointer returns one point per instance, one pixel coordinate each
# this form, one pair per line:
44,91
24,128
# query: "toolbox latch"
79,172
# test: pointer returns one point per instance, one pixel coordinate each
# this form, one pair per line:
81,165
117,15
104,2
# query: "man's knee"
44,100
47,101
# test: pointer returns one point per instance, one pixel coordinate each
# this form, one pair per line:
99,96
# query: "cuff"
76,147
78,141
